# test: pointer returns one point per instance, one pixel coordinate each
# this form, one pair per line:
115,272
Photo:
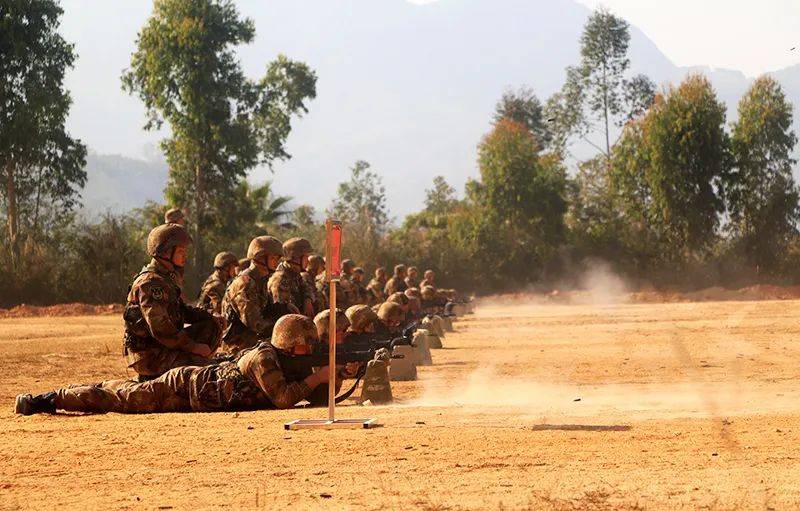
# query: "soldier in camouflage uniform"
255,380
213,290
412,279
286,285
392,317
398,282
247,305
316,267
428,280
174,216
360,293
346,292
375,287
244,263
156,338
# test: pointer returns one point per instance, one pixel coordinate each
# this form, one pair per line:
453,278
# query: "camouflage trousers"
185,389
158,359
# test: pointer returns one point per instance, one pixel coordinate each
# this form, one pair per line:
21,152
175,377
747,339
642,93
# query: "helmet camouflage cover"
295,248
391,312
400,268
315,263
224,259
165,237
323,322
360,316
173,216
292,330
398,298
263,246
428,292
348,264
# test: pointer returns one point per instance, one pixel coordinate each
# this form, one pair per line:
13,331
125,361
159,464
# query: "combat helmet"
398,298
399,269
174,216
413,292
380,272
292,330
295,248
361,317
348,264
428,293
429,274
315,264
391,313
323,322
263,246
165,237
224,259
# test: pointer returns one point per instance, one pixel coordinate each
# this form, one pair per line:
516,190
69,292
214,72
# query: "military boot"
377,388
27,404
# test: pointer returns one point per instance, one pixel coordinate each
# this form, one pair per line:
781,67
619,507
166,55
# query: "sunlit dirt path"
568,407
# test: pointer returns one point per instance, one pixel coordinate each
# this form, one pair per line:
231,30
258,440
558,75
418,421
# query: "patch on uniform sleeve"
158,293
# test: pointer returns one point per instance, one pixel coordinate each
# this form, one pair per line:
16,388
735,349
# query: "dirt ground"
631,406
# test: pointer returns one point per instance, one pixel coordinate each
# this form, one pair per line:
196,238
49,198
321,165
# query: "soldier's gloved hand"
350,369
203,350
382,355
318,377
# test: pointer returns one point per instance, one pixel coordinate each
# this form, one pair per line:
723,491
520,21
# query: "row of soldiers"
230,343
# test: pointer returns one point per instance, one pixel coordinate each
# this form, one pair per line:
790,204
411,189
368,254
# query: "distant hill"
409,88
119,184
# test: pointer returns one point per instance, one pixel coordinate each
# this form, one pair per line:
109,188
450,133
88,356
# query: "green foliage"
524,107
186,72
762,196
40,163
597,94
360,204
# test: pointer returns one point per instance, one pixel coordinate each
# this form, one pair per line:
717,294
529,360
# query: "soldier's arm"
249,306
266,373
192,314
153,304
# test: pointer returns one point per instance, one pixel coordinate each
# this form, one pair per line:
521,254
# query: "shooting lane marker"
333,272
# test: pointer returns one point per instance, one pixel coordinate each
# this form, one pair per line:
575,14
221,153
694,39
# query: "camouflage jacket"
394,285
155,313
375,288
245,306
213,291
320,300
286,285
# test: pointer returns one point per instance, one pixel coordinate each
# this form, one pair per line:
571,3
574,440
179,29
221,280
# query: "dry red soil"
530,406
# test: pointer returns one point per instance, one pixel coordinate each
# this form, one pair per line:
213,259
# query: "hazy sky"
752,36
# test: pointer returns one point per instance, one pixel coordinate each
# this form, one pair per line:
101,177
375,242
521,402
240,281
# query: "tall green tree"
360,204
522,106
762,195
599,95
222,124
40,163
671,168
521,197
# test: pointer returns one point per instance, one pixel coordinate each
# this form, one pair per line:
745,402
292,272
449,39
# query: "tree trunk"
199,208
13,215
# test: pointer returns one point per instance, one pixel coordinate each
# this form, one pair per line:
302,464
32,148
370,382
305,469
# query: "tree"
42,165
222,124
761,192
440,199
598,95
671,167
361,205
523,107
521,197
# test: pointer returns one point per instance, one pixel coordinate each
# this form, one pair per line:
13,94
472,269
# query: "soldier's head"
413,292
391,315
400,299
429,275
428,293
400,271
170,243
227,263
316,265
362,319
414,305
348,265
380,274
265,253
294,334
296,252
358,274
413,272
243,264
323,324
174,216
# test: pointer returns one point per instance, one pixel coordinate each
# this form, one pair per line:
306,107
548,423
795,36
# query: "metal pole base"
335,424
